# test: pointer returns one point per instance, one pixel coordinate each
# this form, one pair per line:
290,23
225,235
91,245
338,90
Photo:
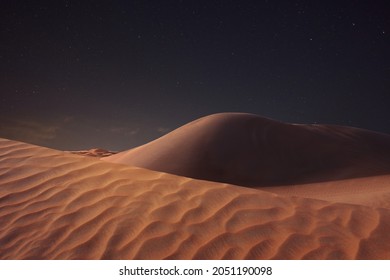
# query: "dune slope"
370,191
57,205
250,150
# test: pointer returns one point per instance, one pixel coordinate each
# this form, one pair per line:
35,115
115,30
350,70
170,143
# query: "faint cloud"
116,129
124,130
163,130
68,119
134,131
28,130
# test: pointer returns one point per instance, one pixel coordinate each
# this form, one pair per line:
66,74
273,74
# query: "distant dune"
250,150
96,152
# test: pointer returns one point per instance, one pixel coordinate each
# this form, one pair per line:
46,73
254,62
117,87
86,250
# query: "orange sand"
94,152
249,150
57,205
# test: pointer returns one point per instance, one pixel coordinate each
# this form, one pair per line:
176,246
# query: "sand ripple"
56,205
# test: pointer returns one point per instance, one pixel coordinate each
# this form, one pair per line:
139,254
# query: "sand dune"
96,152
249,150
57,205
370,191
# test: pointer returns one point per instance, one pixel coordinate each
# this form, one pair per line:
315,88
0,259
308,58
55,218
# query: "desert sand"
249,150
59,205
95,152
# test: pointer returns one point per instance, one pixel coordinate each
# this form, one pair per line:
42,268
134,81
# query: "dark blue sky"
117,74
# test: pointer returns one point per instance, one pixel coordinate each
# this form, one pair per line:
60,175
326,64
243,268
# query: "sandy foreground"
58,205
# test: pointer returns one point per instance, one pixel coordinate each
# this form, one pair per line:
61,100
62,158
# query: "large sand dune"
57,205
250,150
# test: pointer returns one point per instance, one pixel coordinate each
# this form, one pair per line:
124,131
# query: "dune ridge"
249,150
57,205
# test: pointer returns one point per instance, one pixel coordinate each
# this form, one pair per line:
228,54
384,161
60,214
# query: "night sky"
117,74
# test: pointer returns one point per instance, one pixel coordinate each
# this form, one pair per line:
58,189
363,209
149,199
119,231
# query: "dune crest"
253,151
56,205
